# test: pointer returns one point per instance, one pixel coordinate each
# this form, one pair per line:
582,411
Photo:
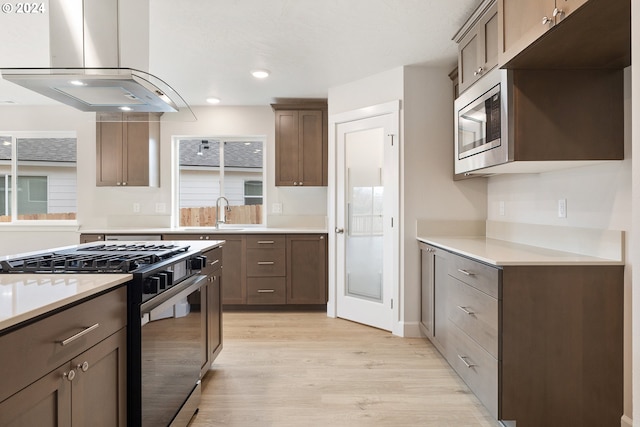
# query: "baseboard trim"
626,421
411,330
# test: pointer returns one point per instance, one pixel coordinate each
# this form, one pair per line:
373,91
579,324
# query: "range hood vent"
86,71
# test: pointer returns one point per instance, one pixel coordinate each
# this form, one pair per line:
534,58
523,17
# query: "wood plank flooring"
305,369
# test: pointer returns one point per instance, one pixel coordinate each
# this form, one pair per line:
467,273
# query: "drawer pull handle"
465,272
266,242
214,262
470,313
464,360
266,262
79,334
266,291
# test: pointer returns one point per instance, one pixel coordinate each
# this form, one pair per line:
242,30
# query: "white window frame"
15,135
175,172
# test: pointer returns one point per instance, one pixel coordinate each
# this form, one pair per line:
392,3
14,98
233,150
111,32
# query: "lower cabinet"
306,269
538,345
211,306
81,383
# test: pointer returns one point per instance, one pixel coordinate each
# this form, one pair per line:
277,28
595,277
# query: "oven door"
172,343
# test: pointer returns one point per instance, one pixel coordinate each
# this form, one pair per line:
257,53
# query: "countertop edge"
487,250
116,280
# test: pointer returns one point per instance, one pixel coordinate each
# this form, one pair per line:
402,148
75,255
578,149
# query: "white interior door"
366,219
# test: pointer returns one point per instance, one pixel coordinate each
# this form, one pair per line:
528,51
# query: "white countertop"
25,296
504,253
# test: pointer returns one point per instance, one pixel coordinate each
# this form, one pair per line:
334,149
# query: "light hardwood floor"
305,369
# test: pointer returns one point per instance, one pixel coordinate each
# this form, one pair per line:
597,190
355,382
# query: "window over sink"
45,184
210,167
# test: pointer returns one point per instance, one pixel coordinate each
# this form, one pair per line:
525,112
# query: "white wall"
426,165
598,197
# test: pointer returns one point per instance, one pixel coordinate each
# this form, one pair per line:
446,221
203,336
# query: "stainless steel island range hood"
89,40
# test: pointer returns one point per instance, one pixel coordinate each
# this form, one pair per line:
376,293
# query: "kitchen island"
79,324
536,333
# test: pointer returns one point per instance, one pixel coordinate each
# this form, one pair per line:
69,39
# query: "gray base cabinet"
79,384
538,345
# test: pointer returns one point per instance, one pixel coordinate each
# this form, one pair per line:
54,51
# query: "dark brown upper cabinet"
301,143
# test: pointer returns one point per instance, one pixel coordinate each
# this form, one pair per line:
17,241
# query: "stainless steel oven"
481,118
171,325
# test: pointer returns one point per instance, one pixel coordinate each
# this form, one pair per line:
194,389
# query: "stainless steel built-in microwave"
481,116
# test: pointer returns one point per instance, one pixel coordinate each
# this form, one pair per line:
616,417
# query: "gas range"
127,257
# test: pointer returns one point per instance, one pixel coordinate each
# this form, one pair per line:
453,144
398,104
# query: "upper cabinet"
127,151
477,45
301,143
564,33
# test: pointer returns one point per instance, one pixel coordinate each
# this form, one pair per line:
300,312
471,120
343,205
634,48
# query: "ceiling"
207,48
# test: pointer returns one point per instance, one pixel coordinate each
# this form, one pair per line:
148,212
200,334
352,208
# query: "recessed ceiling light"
260,74
125,108
213,100
6,143
77,83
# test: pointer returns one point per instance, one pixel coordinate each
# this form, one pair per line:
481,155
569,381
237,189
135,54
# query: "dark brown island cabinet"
52,375
211,305
538,345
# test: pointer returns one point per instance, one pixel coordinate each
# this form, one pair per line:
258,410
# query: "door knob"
339,230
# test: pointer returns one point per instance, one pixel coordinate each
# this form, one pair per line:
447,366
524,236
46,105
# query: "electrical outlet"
562,208
276,208
161,207
136,208
501,207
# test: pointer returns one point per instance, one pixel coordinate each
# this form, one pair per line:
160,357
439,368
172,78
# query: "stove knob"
163,281
151,285
198,263
169,275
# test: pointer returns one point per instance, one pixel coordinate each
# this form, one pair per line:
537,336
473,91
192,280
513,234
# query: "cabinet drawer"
266,290
266,262
476,274
475,313
214,260
266,241
475,366
30,352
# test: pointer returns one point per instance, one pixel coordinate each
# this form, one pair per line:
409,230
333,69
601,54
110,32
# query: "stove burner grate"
120,258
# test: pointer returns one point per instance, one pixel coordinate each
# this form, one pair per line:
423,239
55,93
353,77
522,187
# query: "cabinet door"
234,270
109,152
521,23
99,390
478,50
440,301
427,289
214,315
135,157
306,269
311,147
44,403
287,148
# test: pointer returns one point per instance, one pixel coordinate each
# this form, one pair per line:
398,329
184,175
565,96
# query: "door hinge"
392,222
392,303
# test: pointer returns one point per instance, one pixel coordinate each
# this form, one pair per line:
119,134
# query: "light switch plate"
501,207
276,208
562,208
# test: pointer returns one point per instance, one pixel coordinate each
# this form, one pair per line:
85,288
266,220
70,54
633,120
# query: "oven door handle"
171,296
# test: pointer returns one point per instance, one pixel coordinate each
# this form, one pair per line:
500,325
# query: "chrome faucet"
221,216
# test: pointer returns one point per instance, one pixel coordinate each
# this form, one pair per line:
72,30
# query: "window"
45,167
214,167
253,192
